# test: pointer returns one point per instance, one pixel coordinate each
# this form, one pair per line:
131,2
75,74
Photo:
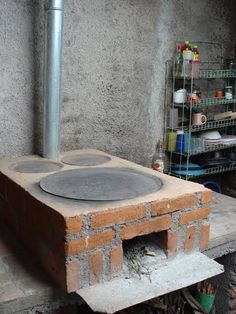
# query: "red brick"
95,267
100,239
73,276
37,214
171,205
53,264
189,238
66,225
11,220
15,195
146,227
83,244
116,260
2,185
117,216
27,237
172,242
205,233
9,217
75,246
206,196
193,215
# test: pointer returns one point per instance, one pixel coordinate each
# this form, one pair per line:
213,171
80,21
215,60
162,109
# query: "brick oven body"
80,243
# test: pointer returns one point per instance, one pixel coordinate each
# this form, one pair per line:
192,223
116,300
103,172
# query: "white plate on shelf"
228,139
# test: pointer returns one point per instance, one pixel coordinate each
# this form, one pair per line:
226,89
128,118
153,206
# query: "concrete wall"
113,70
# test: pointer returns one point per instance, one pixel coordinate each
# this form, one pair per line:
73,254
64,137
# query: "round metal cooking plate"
35,166
100,184
85,160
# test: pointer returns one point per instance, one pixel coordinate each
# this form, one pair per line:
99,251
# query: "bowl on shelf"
210,135
180,96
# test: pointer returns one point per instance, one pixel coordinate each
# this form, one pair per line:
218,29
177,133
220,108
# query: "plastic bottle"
158,161
195,64
195,54
178,61
187,51
187,59
186,46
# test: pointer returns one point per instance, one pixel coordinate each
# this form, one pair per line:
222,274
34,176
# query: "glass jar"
228,92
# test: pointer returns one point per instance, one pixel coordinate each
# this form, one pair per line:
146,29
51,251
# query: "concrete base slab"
121,293
223,226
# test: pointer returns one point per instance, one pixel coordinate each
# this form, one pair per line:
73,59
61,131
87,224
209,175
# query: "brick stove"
79,243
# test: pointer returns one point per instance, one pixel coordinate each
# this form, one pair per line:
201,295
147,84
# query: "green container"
206,300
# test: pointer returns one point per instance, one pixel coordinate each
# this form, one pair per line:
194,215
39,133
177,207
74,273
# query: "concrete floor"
24,288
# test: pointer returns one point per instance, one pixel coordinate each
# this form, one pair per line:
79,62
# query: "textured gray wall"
113,70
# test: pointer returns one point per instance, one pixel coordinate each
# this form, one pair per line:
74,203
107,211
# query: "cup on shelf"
180,96
187,142
197,144
219,94
198,118
172,141
180,141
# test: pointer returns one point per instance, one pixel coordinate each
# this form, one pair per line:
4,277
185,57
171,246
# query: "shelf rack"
210,69
208,102
211,74
208,171
213,125
206,150
217,74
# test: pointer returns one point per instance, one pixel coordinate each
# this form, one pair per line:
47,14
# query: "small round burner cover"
100,184
36,166
85,160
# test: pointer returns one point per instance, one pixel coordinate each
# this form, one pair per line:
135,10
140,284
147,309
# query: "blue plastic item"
180,142
185,166
189,172
213,185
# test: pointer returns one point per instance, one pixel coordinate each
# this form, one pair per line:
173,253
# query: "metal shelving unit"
213,125
208,102
211,70
211,74
217,147
217,74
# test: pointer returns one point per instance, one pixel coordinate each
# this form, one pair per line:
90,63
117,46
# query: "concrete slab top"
172,187
223,224
178,273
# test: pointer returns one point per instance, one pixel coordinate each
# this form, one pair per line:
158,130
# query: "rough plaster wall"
113,70
16,78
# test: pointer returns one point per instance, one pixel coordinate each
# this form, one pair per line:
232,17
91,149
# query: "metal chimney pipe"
52,89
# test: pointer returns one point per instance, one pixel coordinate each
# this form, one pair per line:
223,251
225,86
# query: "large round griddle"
100,184
35,166
85,160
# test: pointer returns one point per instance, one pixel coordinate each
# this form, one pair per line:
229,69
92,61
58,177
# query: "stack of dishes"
211,138
228,139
